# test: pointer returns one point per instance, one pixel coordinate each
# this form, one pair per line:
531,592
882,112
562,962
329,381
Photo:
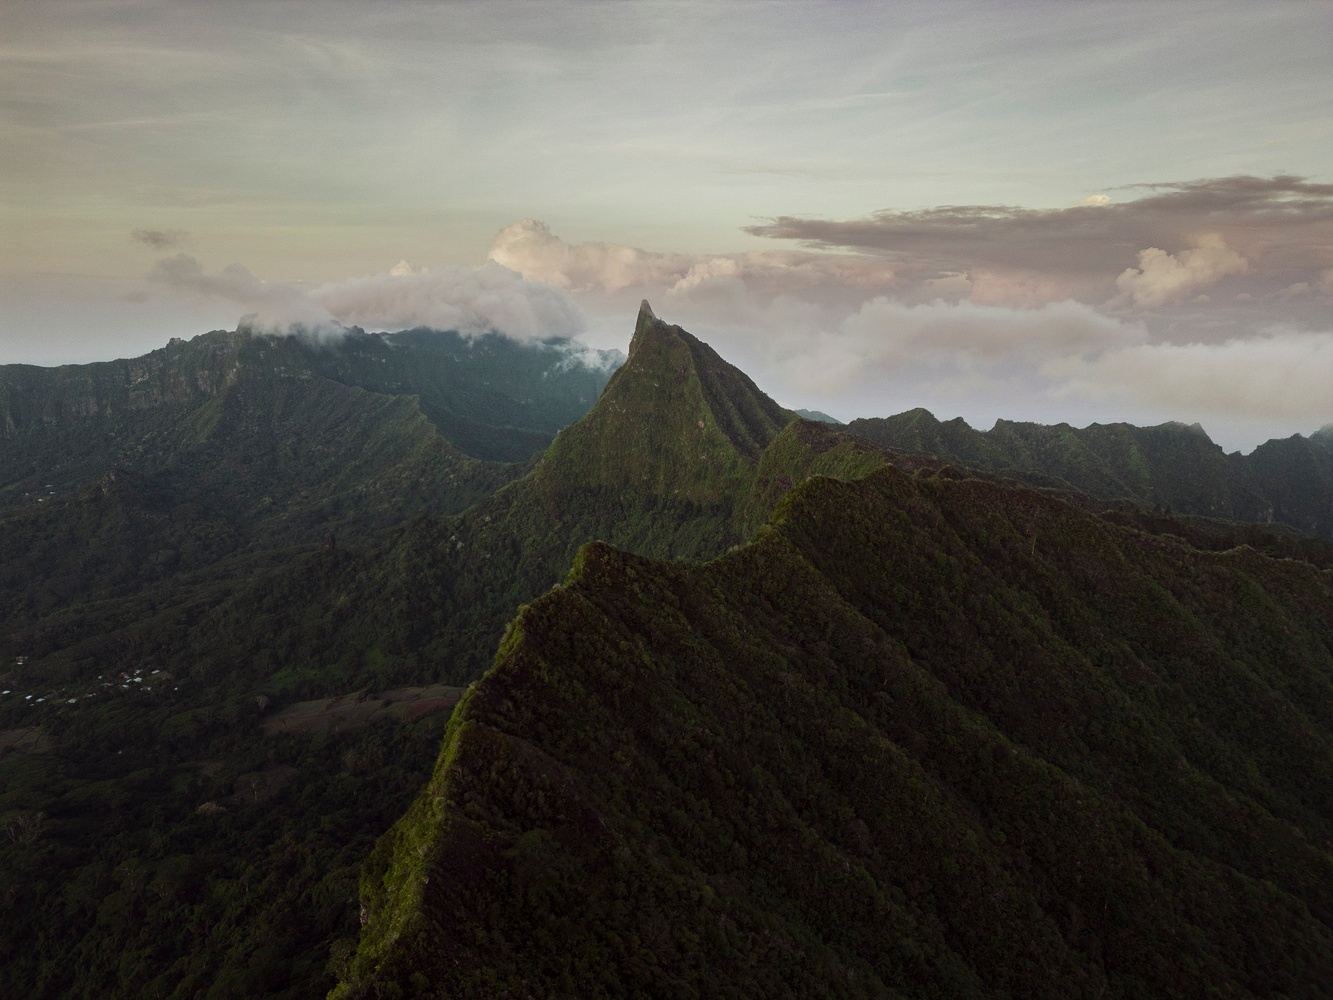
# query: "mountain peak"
648,327
676,418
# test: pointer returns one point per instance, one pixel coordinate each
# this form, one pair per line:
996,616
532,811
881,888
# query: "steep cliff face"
1171,465
179,375
924,737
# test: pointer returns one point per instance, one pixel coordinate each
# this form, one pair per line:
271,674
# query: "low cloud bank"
530,248
471,301
1204,301
1116,324
1282,375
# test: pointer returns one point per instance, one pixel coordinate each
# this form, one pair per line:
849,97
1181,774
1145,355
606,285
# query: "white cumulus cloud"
534,251
1162,277
470,300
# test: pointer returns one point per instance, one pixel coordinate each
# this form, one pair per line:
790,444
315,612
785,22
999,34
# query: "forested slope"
682,456
926,736
1173,466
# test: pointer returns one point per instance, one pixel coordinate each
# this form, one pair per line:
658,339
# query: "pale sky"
813,187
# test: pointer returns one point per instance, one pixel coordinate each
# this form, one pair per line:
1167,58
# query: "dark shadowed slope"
681,457
166,901
1287,482
139,497
121,475
924,737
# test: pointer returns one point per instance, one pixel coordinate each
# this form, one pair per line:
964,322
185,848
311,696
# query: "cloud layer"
1261,234
1206,301
468,300
1280,375
1181,304
530,248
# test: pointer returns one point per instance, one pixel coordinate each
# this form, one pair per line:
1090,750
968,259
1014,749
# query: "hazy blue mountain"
817,416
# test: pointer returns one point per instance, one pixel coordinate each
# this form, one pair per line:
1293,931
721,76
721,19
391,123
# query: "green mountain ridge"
1287,482
240,442
682,457
925,736
270,625
191,536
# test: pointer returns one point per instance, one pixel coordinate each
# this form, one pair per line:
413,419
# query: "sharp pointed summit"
676,419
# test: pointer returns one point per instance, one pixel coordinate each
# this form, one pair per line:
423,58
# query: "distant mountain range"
199,539
117,475
1175,466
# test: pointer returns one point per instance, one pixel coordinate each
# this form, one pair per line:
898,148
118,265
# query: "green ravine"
925,736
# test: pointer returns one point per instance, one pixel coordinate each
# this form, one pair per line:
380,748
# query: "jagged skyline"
1035,211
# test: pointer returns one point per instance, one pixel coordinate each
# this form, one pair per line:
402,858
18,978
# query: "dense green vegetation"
926,736
117,476
682,456
150,872
238,523
1172,466
136,499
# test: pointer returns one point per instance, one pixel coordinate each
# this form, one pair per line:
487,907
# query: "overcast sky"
1071,211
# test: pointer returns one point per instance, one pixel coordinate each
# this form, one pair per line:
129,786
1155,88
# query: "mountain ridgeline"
883,728
925,736
1285,482
681,457
118,475
139,499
